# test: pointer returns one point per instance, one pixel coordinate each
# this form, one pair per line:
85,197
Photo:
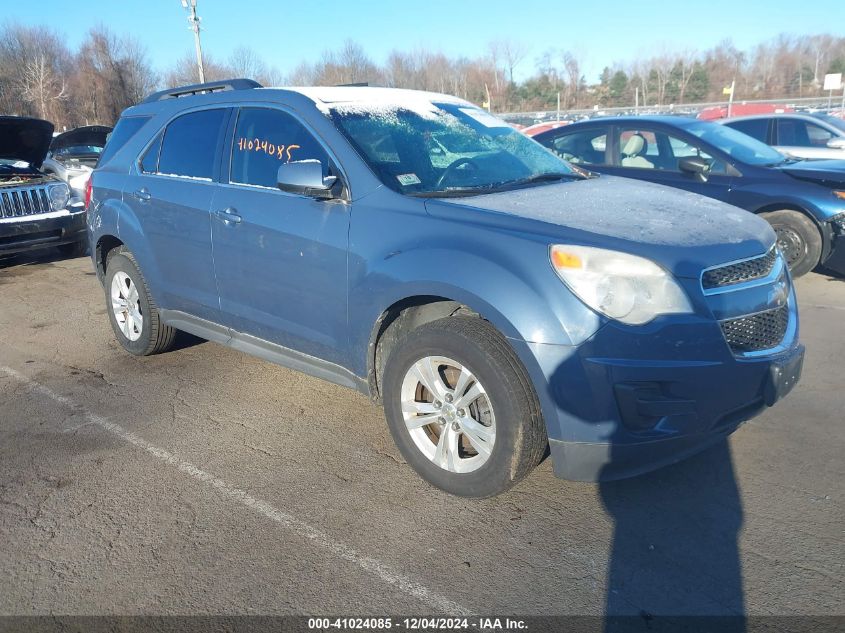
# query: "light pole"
191,7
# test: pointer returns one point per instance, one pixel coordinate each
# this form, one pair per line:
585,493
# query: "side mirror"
696,166
836,143
305,177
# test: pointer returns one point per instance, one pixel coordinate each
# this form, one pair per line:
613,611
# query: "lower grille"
20,201
756,332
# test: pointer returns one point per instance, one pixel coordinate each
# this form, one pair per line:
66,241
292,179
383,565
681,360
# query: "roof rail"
359,84
206,88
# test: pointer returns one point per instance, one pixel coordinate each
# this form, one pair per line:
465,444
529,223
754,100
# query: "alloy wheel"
448,414
126,306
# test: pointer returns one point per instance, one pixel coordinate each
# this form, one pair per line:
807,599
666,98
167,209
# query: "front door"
170,194
651,154
279,259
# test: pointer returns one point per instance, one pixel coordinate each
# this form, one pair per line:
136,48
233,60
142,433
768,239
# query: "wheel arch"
105,245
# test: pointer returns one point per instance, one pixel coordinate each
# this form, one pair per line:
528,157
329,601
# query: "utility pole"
191,7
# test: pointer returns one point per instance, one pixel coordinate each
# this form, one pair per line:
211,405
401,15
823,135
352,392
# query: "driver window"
681,149
638,149
585,147
266,138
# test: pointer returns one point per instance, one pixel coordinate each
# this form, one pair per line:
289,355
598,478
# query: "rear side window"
586,146
265,139
755,128
120,135
190,144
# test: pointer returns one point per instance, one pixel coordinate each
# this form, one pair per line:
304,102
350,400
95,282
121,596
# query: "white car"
816,135
74,154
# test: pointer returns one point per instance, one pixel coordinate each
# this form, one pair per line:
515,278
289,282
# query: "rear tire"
132,312
472,425
798,239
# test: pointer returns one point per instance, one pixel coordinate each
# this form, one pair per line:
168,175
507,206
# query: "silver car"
816,135
74,154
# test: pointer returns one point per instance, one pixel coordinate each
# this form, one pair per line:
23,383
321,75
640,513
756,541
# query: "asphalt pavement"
204,481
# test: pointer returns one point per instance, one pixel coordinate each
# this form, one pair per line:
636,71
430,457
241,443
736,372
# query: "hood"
824,172
22,138
88,135
682,231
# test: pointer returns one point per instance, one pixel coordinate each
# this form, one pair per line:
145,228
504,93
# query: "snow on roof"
376,100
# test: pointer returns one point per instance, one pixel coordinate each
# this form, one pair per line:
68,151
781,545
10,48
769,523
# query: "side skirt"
265,350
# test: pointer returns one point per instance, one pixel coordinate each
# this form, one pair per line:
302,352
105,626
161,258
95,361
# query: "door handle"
142,194
229,216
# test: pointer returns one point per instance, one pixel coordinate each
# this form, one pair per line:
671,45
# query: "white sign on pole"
833,81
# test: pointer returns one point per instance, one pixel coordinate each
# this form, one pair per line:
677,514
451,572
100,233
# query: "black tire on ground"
75,249
520,441
798,238
155,337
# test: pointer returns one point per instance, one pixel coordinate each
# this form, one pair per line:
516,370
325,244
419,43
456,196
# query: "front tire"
461,408
132,312
798,239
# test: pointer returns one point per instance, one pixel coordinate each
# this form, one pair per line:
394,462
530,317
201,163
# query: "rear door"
652,153
280,258
586,146
170,193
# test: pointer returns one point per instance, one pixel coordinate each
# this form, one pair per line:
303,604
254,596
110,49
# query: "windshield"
445,149
735,144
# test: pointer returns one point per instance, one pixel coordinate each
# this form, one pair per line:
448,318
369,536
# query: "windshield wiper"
452,192
457,192
549,177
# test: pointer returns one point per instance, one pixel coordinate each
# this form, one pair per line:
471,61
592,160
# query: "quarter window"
265,139
190,144
149,163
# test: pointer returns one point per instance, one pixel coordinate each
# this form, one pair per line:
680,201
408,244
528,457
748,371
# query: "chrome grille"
21,201
746,270
756,332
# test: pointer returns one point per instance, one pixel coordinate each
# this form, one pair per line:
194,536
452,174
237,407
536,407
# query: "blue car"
804,201
498,302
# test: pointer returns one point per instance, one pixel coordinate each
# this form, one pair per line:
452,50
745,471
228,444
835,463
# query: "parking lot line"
295,525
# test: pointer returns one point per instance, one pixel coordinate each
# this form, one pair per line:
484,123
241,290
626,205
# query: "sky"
285,33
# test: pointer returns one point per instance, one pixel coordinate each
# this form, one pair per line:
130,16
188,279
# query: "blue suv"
498,301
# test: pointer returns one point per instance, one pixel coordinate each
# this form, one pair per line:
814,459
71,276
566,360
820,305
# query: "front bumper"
32,232
631,400
835,261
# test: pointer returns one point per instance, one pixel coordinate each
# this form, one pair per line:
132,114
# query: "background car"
816,135
74,154
34,206
804,201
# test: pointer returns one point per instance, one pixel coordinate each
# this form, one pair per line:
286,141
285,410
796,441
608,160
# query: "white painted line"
297,526
824,307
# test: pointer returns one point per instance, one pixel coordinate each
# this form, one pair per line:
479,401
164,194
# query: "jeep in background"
36,210
499,306
74,154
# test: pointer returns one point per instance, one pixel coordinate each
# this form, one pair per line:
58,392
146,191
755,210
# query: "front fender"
521,295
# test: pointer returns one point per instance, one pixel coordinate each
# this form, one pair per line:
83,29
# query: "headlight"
839,194
623,287
59,196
